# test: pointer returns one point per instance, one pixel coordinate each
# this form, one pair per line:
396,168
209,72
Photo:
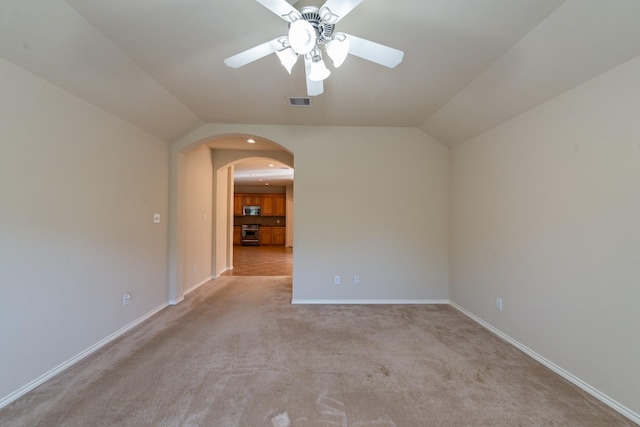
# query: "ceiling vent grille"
299,101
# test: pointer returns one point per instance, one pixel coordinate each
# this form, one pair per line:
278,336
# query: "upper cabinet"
237,204
271,204
252,199
267,205
279,205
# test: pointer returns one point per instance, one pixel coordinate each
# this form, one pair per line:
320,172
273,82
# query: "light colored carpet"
236,353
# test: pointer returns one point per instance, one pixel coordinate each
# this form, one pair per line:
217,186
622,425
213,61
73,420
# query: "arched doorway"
262,242
203,215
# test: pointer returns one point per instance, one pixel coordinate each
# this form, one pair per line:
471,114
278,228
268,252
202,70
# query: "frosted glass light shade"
338,50
319,71
302,36
288,58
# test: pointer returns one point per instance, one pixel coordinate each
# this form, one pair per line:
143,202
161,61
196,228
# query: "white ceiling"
468,66
255,171
262,172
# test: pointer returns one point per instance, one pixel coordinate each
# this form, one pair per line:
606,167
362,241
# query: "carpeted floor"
236,353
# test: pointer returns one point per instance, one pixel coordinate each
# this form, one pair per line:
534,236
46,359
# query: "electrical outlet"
336,280
356,279
126,299
499,303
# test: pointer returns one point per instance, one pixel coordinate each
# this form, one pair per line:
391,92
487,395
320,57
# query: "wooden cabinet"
278,236
273,205
267,205
237,205
272,236
266,235
237,235
279,205
251,200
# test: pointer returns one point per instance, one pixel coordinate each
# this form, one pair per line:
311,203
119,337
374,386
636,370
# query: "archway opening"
207,213
263,218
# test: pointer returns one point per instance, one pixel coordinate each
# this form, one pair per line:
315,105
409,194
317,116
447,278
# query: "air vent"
299,101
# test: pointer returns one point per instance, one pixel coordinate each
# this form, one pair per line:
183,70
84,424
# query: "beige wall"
290,216
223,227
78,189
387,194
199,217
546,215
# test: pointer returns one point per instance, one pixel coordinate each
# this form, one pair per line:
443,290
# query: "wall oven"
250,235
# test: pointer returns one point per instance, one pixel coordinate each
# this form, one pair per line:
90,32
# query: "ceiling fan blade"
314,88
340,8
375,52
253,54
281,8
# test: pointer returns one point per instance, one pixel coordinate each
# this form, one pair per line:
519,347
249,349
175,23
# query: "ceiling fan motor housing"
324,30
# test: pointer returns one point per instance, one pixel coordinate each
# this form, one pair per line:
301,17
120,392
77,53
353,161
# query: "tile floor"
261,261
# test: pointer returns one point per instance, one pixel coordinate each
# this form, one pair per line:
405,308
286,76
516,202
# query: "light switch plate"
156,218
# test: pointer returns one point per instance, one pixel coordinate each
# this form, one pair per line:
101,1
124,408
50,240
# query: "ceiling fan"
310,29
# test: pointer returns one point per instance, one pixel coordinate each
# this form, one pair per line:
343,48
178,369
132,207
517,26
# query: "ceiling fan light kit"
338,48
288,58
311,28
319,70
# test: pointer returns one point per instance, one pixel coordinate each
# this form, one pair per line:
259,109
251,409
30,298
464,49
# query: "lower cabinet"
278,236
272,235
237,235
266,236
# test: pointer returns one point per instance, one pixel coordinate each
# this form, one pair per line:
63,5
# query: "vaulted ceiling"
468,66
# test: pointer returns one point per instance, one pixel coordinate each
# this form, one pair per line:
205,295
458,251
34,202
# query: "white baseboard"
224,270
176,301
75,359
555,368
197,285
368,301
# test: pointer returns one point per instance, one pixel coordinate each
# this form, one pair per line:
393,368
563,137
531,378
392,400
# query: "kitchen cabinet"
272,235
237,235
237,205
278,236
279,205
266,235
273,205
251,200
267,205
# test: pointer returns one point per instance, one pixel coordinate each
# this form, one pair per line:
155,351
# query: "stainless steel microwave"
251,210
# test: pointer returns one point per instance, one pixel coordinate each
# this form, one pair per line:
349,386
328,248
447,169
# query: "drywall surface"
371,202
78,191
546,215
199,217
224,221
